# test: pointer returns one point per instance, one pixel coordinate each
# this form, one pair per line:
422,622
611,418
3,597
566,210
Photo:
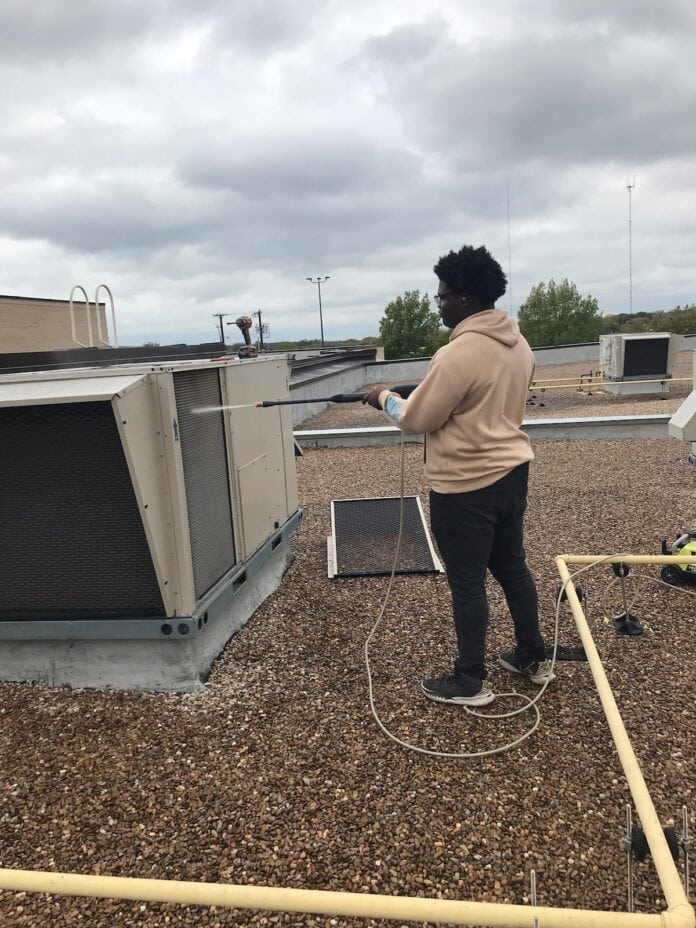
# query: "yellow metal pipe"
628,558
536,383
361,905
607,383
679,912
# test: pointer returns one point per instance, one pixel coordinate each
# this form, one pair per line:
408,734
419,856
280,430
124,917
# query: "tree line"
553,314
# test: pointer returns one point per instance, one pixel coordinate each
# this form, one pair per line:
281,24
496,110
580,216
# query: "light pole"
319,281
630,186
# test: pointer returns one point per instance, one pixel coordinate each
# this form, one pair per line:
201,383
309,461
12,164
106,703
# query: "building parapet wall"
609,428
44,325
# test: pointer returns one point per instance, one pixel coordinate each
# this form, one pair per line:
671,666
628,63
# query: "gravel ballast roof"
278,774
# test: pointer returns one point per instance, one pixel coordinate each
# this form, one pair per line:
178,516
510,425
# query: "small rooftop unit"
639,362
136,535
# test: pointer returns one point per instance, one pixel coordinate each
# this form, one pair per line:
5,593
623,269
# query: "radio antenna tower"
630,186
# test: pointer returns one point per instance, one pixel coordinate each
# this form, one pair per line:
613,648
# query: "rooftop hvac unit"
639,355
136,534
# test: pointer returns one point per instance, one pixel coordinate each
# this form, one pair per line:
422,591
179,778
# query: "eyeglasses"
440,297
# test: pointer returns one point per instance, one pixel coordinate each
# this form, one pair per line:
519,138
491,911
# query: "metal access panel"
206,476
364,536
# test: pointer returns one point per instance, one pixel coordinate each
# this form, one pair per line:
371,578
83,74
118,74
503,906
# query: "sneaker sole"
481,699
510,667
522,673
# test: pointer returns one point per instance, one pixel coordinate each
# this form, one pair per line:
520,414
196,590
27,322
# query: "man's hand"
372,398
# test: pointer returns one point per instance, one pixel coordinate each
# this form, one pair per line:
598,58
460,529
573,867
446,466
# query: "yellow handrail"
321,902
679,912
607,383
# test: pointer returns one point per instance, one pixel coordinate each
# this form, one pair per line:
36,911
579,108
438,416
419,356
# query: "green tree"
640,322
409,328
681,320
556,314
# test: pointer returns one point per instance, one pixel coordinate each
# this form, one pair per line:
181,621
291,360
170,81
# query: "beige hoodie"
470,405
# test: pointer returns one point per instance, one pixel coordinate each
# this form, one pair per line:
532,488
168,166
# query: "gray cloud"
198,156
56,29
60,29
587,98
630,17
308,165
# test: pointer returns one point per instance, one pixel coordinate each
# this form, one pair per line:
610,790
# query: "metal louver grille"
72,543
365,534
206,479
645,356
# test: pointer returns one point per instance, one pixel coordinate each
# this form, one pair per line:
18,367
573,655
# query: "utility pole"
258,313
220,317
630,186
319,281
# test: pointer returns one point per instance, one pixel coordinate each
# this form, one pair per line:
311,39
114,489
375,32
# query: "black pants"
483,530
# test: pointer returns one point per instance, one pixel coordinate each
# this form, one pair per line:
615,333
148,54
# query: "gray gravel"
278,775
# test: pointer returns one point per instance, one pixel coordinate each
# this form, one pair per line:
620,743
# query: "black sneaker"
539,672
458,691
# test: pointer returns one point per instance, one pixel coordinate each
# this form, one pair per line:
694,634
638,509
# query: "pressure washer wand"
404,391
336,398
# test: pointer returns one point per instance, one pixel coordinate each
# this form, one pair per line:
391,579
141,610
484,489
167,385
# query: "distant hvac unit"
638,356
137,535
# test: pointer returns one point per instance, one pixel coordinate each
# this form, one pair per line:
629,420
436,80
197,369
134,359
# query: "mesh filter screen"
366,532
72,543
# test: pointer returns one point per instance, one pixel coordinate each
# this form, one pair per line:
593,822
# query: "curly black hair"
474,271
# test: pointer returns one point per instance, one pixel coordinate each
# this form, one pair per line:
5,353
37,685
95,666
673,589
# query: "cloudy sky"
207,156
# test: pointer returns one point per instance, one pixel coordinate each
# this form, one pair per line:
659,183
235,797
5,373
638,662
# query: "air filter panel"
365,533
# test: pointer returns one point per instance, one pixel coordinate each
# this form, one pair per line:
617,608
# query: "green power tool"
679,574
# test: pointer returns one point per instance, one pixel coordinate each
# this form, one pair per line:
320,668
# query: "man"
470,406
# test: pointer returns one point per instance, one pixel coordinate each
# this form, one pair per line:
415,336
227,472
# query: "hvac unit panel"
605,353
645,356
262,449
72,543
204,456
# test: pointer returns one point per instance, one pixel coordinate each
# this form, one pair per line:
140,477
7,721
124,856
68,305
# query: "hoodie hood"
495,323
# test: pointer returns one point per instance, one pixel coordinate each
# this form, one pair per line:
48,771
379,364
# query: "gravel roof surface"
279,775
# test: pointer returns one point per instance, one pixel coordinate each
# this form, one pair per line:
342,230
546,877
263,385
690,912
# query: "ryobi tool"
678,574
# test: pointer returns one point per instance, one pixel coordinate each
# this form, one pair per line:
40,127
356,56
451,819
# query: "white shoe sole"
481,699
523,673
